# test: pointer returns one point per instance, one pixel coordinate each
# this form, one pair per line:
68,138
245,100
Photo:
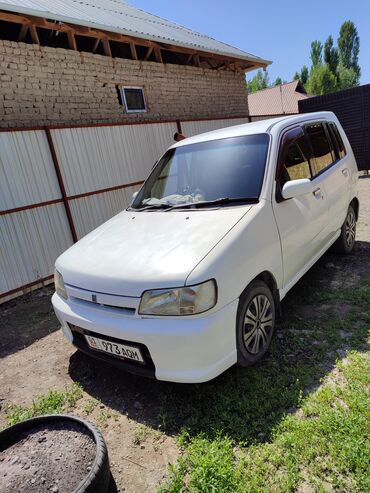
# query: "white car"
187,281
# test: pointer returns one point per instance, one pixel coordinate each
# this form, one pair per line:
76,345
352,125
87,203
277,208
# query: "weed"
141,433
54,401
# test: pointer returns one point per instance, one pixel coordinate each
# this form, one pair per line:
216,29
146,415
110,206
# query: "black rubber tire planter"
97,479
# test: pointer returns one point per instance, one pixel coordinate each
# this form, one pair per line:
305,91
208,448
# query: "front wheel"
255,323
346,240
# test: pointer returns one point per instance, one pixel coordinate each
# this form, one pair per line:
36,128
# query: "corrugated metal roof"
118,16
277,100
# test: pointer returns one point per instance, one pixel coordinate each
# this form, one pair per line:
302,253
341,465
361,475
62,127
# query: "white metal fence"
57,184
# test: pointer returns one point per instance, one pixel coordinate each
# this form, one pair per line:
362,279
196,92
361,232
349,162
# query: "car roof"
261,126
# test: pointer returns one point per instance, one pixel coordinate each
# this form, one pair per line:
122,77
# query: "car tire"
255,323
347,238
98,478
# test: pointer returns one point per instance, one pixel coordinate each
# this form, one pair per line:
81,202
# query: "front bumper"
186,350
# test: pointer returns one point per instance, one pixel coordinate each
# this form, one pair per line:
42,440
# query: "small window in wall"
320,146
133,99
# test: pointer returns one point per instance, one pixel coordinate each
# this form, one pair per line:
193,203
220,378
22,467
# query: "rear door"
301,221
331,162
339,178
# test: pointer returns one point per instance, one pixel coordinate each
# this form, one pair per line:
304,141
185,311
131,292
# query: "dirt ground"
136,415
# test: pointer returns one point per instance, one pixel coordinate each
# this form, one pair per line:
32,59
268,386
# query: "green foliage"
207,467
327,440
53,402
347,77
333,68
349,48
261,81
258,82
316,54
331,55
304,75
322,80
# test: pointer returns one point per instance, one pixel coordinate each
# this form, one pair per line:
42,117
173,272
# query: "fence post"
61,184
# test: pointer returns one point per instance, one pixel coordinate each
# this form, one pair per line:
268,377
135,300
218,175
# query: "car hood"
136,251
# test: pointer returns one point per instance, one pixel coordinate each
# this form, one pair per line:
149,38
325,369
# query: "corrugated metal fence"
57,184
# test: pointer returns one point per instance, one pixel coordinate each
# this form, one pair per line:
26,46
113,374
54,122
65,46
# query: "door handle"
345,172
317,193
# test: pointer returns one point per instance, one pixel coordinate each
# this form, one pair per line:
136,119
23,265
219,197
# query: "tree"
349,48
322,80
331,55
258,82
304,76
316,54
347,77
278,81
333,68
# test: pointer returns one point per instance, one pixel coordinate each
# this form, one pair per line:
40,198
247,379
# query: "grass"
298,421
90,405
141,434
53,402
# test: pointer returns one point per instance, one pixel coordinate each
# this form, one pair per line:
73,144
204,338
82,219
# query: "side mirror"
296,188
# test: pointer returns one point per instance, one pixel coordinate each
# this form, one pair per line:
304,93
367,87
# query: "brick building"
101,61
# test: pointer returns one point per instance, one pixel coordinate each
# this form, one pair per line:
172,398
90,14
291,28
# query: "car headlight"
59,285
188,300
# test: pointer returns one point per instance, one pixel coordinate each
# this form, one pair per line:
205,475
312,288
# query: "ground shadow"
25,320
246,403
112,488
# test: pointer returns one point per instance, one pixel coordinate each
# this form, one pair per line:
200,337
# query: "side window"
320,146
337,139
293,162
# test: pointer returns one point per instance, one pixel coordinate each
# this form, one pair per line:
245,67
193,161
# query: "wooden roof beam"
133,50
196,60
189,59
100,34
96,44
158,55
106,46
148,53
34,35
72,40
23,32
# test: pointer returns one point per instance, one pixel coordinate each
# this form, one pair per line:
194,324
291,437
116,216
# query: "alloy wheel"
350,228
258,324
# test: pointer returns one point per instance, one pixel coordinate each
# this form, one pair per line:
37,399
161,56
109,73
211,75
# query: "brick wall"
48,86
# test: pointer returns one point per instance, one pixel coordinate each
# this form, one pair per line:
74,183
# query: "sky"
280,31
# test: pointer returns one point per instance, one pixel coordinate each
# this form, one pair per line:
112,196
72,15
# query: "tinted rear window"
320,146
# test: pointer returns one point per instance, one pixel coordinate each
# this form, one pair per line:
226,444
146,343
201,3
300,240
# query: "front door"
301,221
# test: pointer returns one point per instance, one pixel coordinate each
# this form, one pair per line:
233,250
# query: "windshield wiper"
220,201
151,206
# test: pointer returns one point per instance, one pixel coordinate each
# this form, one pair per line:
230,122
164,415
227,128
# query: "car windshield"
224,171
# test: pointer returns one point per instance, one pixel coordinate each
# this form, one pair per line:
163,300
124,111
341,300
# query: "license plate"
120,350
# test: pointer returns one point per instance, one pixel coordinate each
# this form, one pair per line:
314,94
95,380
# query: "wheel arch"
356,205
268,278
